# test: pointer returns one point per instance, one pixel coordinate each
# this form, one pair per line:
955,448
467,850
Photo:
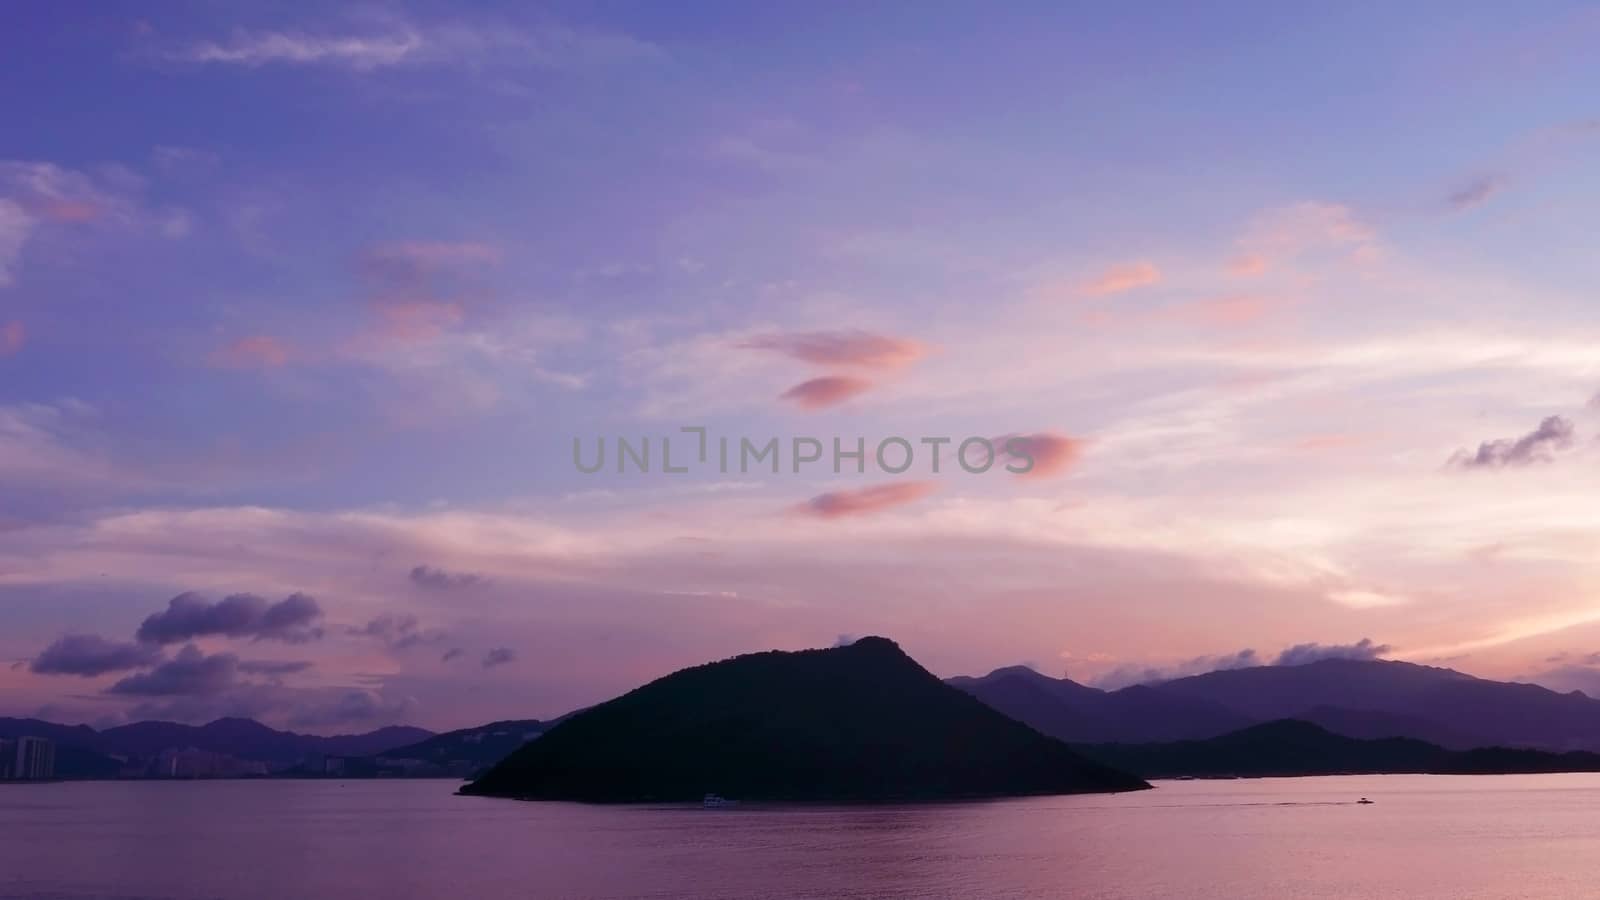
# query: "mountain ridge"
1359,698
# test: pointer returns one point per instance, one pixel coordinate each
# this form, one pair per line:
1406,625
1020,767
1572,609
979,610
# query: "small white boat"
717,801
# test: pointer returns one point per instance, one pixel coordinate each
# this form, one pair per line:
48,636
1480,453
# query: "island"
862,723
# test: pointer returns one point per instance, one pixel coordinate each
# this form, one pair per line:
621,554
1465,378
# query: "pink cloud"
256,351
1122,278
12,337
1241,309
64,210
1248,265
865,501
842,348
418,319
826,391
1052,453
1319,442
420,289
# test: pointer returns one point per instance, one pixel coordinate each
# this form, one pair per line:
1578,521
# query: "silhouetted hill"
859,723
1073,712
1374,724
1290,747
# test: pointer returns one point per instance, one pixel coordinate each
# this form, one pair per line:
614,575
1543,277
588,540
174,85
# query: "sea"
1422,836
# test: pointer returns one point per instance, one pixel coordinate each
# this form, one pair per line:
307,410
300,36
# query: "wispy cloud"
1123,278
12,336
865,501
1475,193
359,52
1248,265
36,195
15,227
1051,454
405,44
256,351
829,390
860,349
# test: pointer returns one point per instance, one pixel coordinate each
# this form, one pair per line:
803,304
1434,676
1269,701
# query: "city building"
27,759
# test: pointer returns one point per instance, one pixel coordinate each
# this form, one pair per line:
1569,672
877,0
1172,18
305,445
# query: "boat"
1364,802
717,801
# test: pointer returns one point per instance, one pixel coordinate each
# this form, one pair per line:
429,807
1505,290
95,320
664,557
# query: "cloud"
350,707
53,444
252,49
1231,310
15,227
256,351
1553,435
1131,674
1122,278
548,46
419,289
1309,228
190,615
1475,192
453,653
191,672
1051,453
39,195
441,580
274,667
12,336
88,655
858,349
1300,654
1361,599
865,501
829,390
499,656
399,632
1247,265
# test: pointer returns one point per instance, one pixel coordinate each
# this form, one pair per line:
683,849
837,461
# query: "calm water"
1426,836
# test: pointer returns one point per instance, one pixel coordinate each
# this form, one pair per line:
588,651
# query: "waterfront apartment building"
27,759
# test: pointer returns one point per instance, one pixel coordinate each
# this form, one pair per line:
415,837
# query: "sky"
311,320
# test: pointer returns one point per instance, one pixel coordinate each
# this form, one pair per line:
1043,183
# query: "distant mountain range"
84,752
1359,699
1355,698
1289,747
861,723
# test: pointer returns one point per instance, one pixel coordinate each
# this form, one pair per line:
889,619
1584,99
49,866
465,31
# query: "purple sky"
301,310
